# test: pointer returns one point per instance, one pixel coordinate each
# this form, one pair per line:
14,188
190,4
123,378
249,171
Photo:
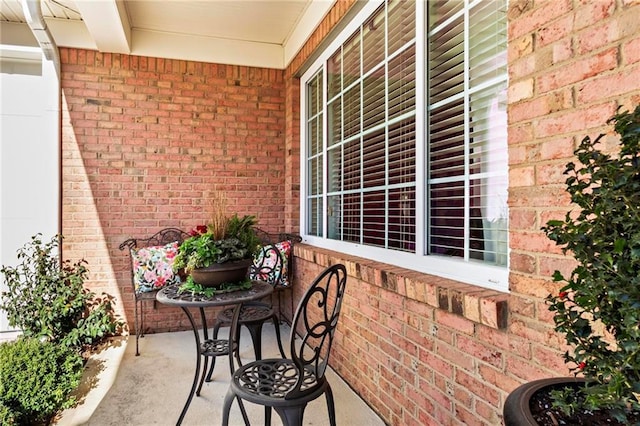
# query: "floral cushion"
271,264
152,267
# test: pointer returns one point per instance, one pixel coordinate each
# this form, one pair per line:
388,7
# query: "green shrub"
46,298
36,379
603,291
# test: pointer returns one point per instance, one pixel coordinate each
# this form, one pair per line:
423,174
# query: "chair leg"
226,407
291,416
267,415
135,321
276,324
328,393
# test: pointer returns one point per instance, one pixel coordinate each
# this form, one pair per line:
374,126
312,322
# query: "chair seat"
252,315
214,347
147,295
268,382
250,312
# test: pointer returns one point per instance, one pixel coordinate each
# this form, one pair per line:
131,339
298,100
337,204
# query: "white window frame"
476,273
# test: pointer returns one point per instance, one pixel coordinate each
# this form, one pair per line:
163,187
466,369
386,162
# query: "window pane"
335,171
314,96
488,131
373,40
352,112
446,144
402,24
334,75
441,10
373,105
352,222
487,42
488,219
334,217
373,158
351,60
352,175
374,218
314,116
402,152
402,219
447,219
314,221
314,167
401,77
335,121
446,61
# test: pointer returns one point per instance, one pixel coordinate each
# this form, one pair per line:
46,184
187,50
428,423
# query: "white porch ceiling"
265,33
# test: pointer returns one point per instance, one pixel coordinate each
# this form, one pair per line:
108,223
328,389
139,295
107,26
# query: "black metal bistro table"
205,347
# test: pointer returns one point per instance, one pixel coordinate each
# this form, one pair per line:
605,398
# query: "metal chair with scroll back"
288,384
151,262
273,264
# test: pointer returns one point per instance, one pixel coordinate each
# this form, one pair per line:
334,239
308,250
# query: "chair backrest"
273,262
316,319
160,238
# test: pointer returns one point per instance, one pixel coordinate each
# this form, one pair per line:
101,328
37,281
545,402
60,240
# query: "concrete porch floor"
151,389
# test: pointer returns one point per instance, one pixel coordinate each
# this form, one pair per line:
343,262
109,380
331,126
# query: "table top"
169,296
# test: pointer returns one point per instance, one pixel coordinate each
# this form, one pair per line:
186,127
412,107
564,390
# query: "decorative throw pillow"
271,264
153,267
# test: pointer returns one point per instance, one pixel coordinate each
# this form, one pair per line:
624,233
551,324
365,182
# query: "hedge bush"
46,298
36,380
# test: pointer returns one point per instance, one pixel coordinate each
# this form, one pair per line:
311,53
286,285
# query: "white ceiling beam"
207,49
108,24
18,34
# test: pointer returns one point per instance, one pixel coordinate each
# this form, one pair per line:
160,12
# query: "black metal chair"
269,267
288,384
161,238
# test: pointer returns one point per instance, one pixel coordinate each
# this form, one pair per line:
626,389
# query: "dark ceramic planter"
216,275
516,407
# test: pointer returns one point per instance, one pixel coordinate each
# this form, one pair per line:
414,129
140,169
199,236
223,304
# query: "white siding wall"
29,158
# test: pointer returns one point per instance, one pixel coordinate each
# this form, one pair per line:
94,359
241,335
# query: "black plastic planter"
516,408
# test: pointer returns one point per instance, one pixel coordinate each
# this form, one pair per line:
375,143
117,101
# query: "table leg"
205,336
197,373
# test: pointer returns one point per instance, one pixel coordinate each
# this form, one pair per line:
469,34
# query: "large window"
405,142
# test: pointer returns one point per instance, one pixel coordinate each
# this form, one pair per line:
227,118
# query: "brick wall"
402,343
145,139
144,142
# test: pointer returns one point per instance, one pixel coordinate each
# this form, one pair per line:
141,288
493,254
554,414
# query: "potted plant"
597,309
221,251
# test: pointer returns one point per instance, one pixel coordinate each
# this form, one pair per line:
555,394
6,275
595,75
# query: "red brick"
631,51
531,19
522,176
612,85
577,71
597,36
554,31
592,12
575,121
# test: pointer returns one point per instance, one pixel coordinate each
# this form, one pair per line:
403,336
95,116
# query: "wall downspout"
32,10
